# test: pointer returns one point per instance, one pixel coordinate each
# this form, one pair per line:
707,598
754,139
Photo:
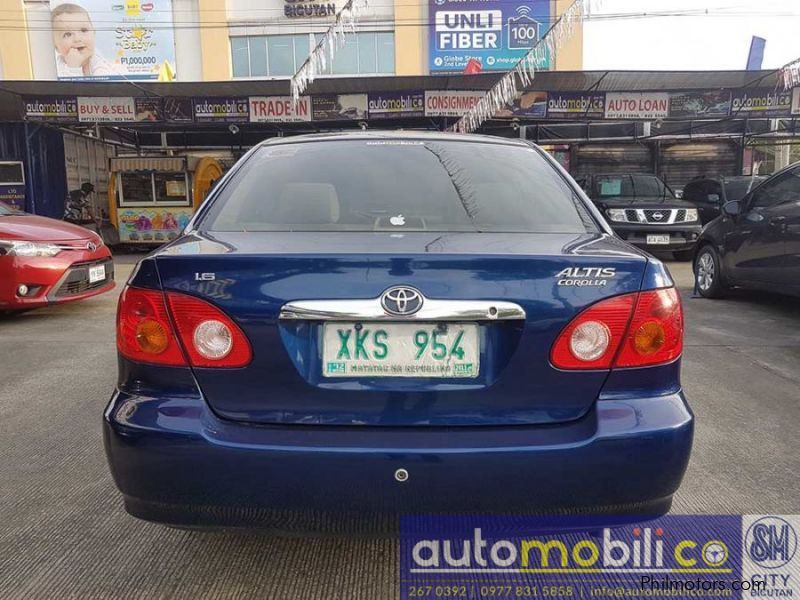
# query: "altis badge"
586,276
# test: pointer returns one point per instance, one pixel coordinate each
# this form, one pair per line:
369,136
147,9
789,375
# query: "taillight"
146,332
144,329
210,337
633,330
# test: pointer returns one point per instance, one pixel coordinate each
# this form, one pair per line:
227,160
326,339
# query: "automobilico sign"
496,33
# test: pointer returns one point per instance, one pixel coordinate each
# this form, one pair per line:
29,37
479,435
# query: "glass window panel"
240,57
137,187
170,187
385,50
301,50
258,57
346,60
367,60
281,55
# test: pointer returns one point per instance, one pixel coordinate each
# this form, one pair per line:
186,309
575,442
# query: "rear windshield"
394,185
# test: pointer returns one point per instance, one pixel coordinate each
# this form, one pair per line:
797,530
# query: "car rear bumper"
682,237
175,462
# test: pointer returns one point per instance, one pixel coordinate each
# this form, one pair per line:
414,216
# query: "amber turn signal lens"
151,337
649,338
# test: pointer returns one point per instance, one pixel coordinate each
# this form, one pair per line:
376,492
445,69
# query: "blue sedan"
356,326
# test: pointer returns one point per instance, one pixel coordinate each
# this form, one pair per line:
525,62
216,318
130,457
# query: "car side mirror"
732,208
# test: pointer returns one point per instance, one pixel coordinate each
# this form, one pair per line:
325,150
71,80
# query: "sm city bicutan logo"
645,551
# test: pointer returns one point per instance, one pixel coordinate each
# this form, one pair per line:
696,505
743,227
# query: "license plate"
400,350
655,240
97,273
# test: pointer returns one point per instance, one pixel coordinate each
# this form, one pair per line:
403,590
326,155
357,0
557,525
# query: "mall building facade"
220,40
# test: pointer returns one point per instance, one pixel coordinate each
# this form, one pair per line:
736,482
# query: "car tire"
683,255
708,277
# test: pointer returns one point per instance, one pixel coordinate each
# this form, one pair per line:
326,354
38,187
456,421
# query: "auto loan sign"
637,105
279,109
496,33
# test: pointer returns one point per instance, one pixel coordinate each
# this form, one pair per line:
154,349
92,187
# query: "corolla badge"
402,301
586,276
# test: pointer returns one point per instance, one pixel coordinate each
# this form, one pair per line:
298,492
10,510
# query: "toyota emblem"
91,246
401,301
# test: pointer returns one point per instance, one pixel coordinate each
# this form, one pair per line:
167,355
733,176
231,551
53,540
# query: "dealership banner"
796,101
106,109
716,103
148,110
675,556
450,103
222,110
495,33
178,110
528,105
343,107
637,105
765,102
393,105
51,108
571,105
112,39
279,109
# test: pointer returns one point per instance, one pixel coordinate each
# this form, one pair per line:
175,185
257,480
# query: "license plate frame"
658,239
460,358
97,273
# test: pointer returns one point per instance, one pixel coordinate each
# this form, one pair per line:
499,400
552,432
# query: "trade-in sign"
279,109
496,33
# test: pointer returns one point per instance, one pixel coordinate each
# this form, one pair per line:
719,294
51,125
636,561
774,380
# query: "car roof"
395,135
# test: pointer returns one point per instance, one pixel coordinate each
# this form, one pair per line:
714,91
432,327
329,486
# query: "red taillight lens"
210,337
614,314
633,330
655,335
144,330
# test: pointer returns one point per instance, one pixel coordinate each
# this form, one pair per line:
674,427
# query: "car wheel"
708,273
683,255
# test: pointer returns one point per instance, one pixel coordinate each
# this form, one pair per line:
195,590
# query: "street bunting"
702,104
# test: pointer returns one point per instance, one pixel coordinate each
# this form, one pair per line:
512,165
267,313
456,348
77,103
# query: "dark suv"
709,194
643,211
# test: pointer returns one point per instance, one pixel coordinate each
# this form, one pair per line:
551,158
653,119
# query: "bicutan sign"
303,8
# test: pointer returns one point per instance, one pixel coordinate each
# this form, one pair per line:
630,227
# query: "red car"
44,261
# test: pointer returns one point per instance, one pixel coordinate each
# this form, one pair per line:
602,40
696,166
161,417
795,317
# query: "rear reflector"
633,330
147,331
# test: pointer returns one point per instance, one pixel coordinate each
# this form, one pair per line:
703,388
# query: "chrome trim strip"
371,310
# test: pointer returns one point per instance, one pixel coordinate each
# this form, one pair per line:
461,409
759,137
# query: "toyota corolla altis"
363,325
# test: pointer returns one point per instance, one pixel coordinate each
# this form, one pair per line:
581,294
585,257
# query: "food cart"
152,199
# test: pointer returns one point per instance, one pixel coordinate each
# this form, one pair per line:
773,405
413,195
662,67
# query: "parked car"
710,193
44,261
378,323
756,242
644,212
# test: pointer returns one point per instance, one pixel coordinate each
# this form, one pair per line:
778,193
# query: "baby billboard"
112,39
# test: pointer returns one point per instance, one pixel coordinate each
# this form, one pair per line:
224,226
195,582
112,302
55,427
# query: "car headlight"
23,248
616,214
691,215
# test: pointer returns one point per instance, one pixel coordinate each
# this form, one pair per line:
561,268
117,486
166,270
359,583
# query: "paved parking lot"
64,534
